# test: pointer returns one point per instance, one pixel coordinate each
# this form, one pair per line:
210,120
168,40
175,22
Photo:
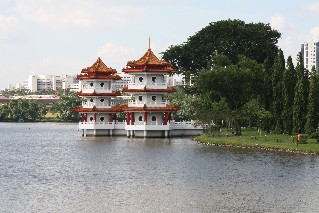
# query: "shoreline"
252,146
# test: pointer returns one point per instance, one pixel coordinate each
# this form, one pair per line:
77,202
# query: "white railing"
132,103
148,85
102,125
184,125
100,105
155,126
138,125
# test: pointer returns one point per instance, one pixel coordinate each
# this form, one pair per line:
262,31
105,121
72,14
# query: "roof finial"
149,42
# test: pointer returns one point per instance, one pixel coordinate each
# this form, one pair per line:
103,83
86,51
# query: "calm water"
48,167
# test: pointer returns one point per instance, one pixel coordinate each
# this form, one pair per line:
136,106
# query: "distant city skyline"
53,37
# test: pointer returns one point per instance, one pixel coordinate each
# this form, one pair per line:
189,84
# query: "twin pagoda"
147,114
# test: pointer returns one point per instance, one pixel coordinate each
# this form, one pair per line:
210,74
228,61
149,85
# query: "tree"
235,84
27,110
231,38
277,85
185,101
313,103
300,105
65,107
288,91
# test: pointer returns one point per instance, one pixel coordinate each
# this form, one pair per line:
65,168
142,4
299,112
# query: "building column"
169,116
132,118
94,117
145,117
165,118
111,119
86,117
82,117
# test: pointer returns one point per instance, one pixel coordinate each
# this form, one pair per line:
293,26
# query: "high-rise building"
51,82
310,51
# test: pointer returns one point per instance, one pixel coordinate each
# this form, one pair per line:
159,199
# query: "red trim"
82,117
145,117
111,119
132,118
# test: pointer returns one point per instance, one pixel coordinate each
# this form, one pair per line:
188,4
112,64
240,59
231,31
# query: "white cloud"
277,22
315,32
116,56
12,33
314,7
77,13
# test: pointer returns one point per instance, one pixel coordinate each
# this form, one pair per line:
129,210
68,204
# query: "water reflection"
51,168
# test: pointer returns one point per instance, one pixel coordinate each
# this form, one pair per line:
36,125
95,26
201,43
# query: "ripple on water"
49,167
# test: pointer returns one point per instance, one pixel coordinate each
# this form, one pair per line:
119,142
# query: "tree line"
31,110
241,78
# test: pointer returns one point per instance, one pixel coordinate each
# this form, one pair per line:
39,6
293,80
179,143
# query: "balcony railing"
133,103
97,105
151,85
102,125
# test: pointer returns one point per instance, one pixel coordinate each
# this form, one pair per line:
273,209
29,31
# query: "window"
102,100
153,118
91,118
91,100
140,98
140,118
101,118
154,79
154,98
102,84
91,84
140,79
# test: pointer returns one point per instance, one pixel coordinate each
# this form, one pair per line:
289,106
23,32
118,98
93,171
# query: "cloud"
279,23
79,13
314,32
314,7
12,33
116,56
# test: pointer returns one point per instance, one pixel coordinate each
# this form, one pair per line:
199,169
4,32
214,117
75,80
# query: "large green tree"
235,84
277,85
313,103
28,110
300,100
231,38
65,107
288,92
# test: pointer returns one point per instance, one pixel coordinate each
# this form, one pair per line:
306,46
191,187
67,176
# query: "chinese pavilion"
98,111
148,114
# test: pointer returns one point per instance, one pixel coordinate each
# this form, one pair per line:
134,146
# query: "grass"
254,139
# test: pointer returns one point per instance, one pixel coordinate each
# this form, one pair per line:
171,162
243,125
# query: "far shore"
257,140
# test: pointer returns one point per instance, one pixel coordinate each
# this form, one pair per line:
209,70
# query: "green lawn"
255,139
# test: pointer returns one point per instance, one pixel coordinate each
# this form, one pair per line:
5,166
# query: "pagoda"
98,110
148,113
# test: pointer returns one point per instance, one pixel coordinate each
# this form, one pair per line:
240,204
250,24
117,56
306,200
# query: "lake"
50,167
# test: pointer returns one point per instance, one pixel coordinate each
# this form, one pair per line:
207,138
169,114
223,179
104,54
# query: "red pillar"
82,117
169,116
86,117
165,118
94,117
145,117
114,116
132,118
111,119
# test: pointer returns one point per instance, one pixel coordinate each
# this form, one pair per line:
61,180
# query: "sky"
64,36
